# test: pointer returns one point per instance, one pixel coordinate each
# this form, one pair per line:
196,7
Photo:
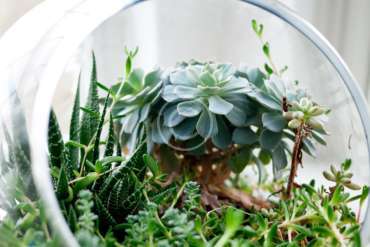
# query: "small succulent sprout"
329,176
294,123
342,177
284,107
346,164
352,186
306,112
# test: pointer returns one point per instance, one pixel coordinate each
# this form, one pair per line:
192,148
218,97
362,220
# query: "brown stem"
296,159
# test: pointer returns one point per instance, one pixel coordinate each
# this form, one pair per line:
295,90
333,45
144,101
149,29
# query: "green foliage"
99,130
201,98
233,220
74,130
84,206
309,217
109,149
341,177
192,196
90,118
62,185
86,224
198,101
55,142
133,98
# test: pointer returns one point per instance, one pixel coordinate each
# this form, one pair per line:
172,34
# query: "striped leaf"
108,184
69,166
72,219
55,142
136,163
105,218
99,130
62,185
119,193
109,148
90,122
74,130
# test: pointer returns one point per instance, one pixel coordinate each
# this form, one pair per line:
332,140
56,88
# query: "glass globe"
43,70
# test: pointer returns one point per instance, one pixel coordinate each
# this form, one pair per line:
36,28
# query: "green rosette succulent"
132,102
282,107
204,101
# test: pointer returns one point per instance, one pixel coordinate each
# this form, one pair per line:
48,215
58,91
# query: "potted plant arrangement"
159,161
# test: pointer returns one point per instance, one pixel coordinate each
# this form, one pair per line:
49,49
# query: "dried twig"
296,158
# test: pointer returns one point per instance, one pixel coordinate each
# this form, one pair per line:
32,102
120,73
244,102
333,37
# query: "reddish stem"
296,159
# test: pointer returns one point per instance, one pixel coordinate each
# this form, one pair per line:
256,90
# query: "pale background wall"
344,22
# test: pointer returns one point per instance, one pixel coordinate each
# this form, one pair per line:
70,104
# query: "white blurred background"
345,23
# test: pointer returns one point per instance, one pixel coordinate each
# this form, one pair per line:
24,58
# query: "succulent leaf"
273,121
279,159
223,137
99,130
74,129
109,148
244,136
185,130
62,185
270,140
206,125
55,142
172,116
190,108
220,106
89,122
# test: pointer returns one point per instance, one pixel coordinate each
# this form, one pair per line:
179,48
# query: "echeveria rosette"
205,100
269,93
133,100
277,98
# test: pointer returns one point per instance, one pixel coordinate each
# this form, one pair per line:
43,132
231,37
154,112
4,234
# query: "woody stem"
297,149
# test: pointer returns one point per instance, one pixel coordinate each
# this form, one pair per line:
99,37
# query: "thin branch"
296,158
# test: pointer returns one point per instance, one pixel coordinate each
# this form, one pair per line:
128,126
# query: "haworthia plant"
74,130
55,141
90,117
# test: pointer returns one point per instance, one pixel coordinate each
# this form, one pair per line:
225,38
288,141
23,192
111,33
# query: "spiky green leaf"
90,122
99,130
55,142
74,130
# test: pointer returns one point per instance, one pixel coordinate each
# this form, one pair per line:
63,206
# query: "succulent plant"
282,104
306,112
203,100
196,104
132,101
342,177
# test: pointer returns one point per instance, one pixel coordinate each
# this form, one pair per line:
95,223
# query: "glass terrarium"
45,71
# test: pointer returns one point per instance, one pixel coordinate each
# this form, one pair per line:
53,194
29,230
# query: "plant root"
240,197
